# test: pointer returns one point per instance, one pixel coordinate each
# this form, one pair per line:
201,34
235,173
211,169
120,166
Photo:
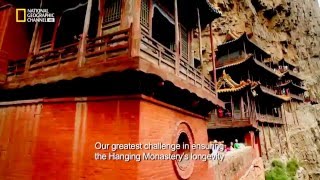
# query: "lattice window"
113,11
144,18
184,43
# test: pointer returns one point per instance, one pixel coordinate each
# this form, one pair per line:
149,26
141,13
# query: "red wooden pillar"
249,139
136,29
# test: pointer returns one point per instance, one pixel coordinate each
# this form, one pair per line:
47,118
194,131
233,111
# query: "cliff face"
286,29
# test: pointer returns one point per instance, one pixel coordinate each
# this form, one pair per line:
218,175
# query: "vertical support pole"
101,14
271,144
265,142
200,37
177,35
83,40
232,107
278,134
55,31
213,58
136,29
242,107
287,139
191,55
32,46
249,107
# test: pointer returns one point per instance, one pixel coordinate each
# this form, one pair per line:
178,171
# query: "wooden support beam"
101,15
271,144
83,39
249,106
287,139
265,142
191,55
242,107
200,38
213,58
278,134
283,114
177,36
136,29
32,46
244,48
55,31
232,107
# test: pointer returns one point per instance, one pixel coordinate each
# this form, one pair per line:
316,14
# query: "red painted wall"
56,140
13,35
160,124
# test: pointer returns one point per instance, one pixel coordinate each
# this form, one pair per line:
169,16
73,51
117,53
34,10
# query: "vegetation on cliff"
282,171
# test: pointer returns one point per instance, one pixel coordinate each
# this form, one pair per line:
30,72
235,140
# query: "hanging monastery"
125,71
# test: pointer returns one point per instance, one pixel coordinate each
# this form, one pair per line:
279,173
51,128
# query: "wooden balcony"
263,118
109,53
297,97
228,122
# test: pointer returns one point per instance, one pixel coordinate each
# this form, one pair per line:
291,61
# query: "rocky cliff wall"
286,29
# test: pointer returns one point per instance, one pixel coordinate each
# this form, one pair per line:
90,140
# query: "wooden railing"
269,118
16,67
166,59
55,57
160,54
115,44
298,97
109,45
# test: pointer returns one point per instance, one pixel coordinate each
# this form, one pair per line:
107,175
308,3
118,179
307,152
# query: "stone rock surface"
286,29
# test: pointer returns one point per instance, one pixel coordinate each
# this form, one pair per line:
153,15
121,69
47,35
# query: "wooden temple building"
259,94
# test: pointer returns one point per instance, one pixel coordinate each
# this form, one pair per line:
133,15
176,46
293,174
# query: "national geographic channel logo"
34,15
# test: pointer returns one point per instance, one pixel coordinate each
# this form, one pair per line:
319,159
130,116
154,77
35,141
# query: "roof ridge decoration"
232,86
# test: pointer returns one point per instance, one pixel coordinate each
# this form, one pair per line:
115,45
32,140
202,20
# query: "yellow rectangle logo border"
24,15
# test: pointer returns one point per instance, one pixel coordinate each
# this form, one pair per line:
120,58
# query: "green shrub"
292,167
282,171
277,163
277,173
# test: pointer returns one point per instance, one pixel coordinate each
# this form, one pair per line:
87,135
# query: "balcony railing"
114,45
165,58
55,57
269,118
16,67
298,97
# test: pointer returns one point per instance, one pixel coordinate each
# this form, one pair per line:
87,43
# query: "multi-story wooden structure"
258,93
250,82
